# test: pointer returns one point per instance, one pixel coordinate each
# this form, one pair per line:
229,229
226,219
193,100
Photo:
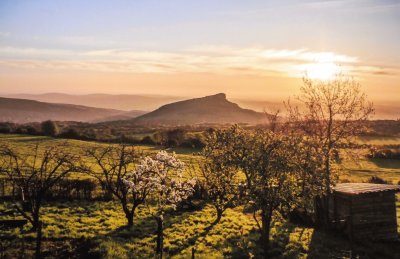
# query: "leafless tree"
110,165
35,173
331,112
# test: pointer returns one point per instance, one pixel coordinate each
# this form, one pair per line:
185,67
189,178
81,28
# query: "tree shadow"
192,240
143,228
334,244
386,163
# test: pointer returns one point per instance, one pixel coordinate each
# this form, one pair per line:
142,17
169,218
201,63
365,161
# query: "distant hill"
23,111
215,109
124,115
125,102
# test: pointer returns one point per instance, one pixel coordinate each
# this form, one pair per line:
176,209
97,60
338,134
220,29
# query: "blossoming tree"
164,173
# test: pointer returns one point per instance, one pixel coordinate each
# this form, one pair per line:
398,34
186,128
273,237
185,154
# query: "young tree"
222,187
111,165
273,176
331,112
269,162
168,187
219,180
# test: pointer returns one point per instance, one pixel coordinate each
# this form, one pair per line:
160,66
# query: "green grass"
99,225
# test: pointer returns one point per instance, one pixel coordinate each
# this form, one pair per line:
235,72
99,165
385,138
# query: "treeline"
166,137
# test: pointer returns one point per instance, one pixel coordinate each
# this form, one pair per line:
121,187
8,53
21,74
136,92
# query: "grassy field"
71,226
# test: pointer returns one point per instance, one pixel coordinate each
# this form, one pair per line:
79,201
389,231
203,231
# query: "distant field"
99,223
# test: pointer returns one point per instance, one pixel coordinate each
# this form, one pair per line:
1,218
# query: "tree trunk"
36,221
219,216
160,236
129,214
328,189
266,227
130,220
38,240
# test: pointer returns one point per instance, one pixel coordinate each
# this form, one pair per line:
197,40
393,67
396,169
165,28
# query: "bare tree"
34,174
331,112
110,165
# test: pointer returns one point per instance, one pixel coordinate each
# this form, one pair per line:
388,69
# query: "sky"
247,49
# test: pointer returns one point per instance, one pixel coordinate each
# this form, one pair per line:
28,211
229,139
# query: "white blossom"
162,177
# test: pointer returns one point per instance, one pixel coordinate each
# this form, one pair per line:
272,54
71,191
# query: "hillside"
215,109
23,111
125,102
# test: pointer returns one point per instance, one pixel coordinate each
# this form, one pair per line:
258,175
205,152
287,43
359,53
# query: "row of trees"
48,128
175,137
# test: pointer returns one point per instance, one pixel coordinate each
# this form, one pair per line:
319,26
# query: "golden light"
322,70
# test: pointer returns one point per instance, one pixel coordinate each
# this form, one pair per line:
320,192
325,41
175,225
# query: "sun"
322,70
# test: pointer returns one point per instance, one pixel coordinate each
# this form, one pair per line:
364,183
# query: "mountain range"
124,102
23,111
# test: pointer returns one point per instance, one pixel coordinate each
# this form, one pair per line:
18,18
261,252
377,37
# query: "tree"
34,174
168,188
331,112
111,165
50,128
175,137
222,187
272,173
269,162
220,181
71,133
5,127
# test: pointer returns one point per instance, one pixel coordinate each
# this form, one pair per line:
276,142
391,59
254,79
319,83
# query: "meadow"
93,229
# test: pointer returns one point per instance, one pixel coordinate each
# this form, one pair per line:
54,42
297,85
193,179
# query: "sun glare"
322,70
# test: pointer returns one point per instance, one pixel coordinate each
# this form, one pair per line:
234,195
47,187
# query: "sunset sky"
247,49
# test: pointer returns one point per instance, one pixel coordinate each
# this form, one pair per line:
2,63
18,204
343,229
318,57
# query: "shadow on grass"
192,241
386,163
333,244
142,229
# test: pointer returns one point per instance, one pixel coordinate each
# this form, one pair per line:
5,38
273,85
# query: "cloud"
225,60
